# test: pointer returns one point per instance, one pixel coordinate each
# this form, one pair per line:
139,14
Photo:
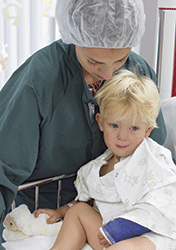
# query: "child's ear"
148,131
98,119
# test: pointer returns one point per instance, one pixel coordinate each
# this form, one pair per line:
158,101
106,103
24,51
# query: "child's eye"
114,126
133,128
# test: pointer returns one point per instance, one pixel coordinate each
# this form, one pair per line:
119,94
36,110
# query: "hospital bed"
44,242
39,242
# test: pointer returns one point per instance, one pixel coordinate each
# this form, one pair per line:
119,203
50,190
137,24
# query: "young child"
133,183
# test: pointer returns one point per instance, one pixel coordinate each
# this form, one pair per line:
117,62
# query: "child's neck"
107,168
116,159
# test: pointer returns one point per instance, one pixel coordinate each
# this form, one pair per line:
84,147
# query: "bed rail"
38,183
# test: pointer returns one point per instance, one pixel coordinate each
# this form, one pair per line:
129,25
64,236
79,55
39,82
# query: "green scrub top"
47,124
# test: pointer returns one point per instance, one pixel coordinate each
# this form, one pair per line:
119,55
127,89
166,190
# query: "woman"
46,108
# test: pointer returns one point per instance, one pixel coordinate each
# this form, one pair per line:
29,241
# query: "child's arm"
120,229
54,214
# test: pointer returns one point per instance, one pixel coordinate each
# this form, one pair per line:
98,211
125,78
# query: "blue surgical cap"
101,23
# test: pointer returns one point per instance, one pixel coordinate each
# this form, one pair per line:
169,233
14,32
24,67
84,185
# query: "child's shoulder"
155,147
96,163
160,153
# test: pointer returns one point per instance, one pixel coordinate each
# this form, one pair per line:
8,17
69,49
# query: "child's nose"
121,134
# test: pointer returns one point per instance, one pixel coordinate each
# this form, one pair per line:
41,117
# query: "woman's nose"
106,72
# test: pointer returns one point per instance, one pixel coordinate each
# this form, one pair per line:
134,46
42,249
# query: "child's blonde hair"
126,93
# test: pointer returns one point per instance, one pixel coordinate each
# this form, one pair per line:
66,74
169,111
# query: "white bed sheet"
35,242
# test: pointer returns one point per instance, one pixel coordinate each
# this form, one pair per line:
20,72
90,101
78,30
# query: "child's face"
122,137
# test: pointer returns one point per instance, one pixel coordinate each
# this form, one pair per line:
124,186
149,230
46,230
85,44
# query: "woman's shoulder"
55,52
55,60
49,70
139,65
46,74
47,66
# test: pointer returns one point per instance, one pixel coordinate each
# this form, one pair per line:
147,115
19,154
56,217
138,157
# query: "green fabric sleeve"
19,133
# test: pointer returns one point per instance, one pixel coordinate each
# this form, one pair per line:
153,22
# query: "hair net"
101,23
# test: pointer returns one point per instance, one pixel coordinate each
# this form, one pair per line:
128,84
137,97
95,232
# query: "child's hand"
103,241
54,214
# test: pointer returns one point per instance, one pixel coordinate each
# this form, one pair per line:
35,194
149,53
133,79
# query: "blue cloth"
122,229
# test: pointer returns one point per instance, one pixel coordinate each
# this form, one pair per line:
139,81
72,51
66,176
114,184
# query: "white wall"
167,48
36,29
148,42
167,3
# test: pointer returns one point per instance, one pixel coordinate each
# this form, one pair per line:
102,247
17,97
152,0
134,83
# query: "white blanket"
35,242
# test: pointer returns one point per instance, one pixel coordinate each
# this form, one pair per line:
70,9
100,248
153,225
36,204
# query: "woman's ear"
148,131
98,119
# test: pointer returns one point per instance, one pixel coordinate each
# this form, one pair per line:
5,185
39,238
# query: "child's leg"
136,243
81,224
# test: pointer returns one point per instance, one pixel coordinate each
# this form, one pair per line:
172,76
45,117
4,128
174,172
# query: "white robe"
143,188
